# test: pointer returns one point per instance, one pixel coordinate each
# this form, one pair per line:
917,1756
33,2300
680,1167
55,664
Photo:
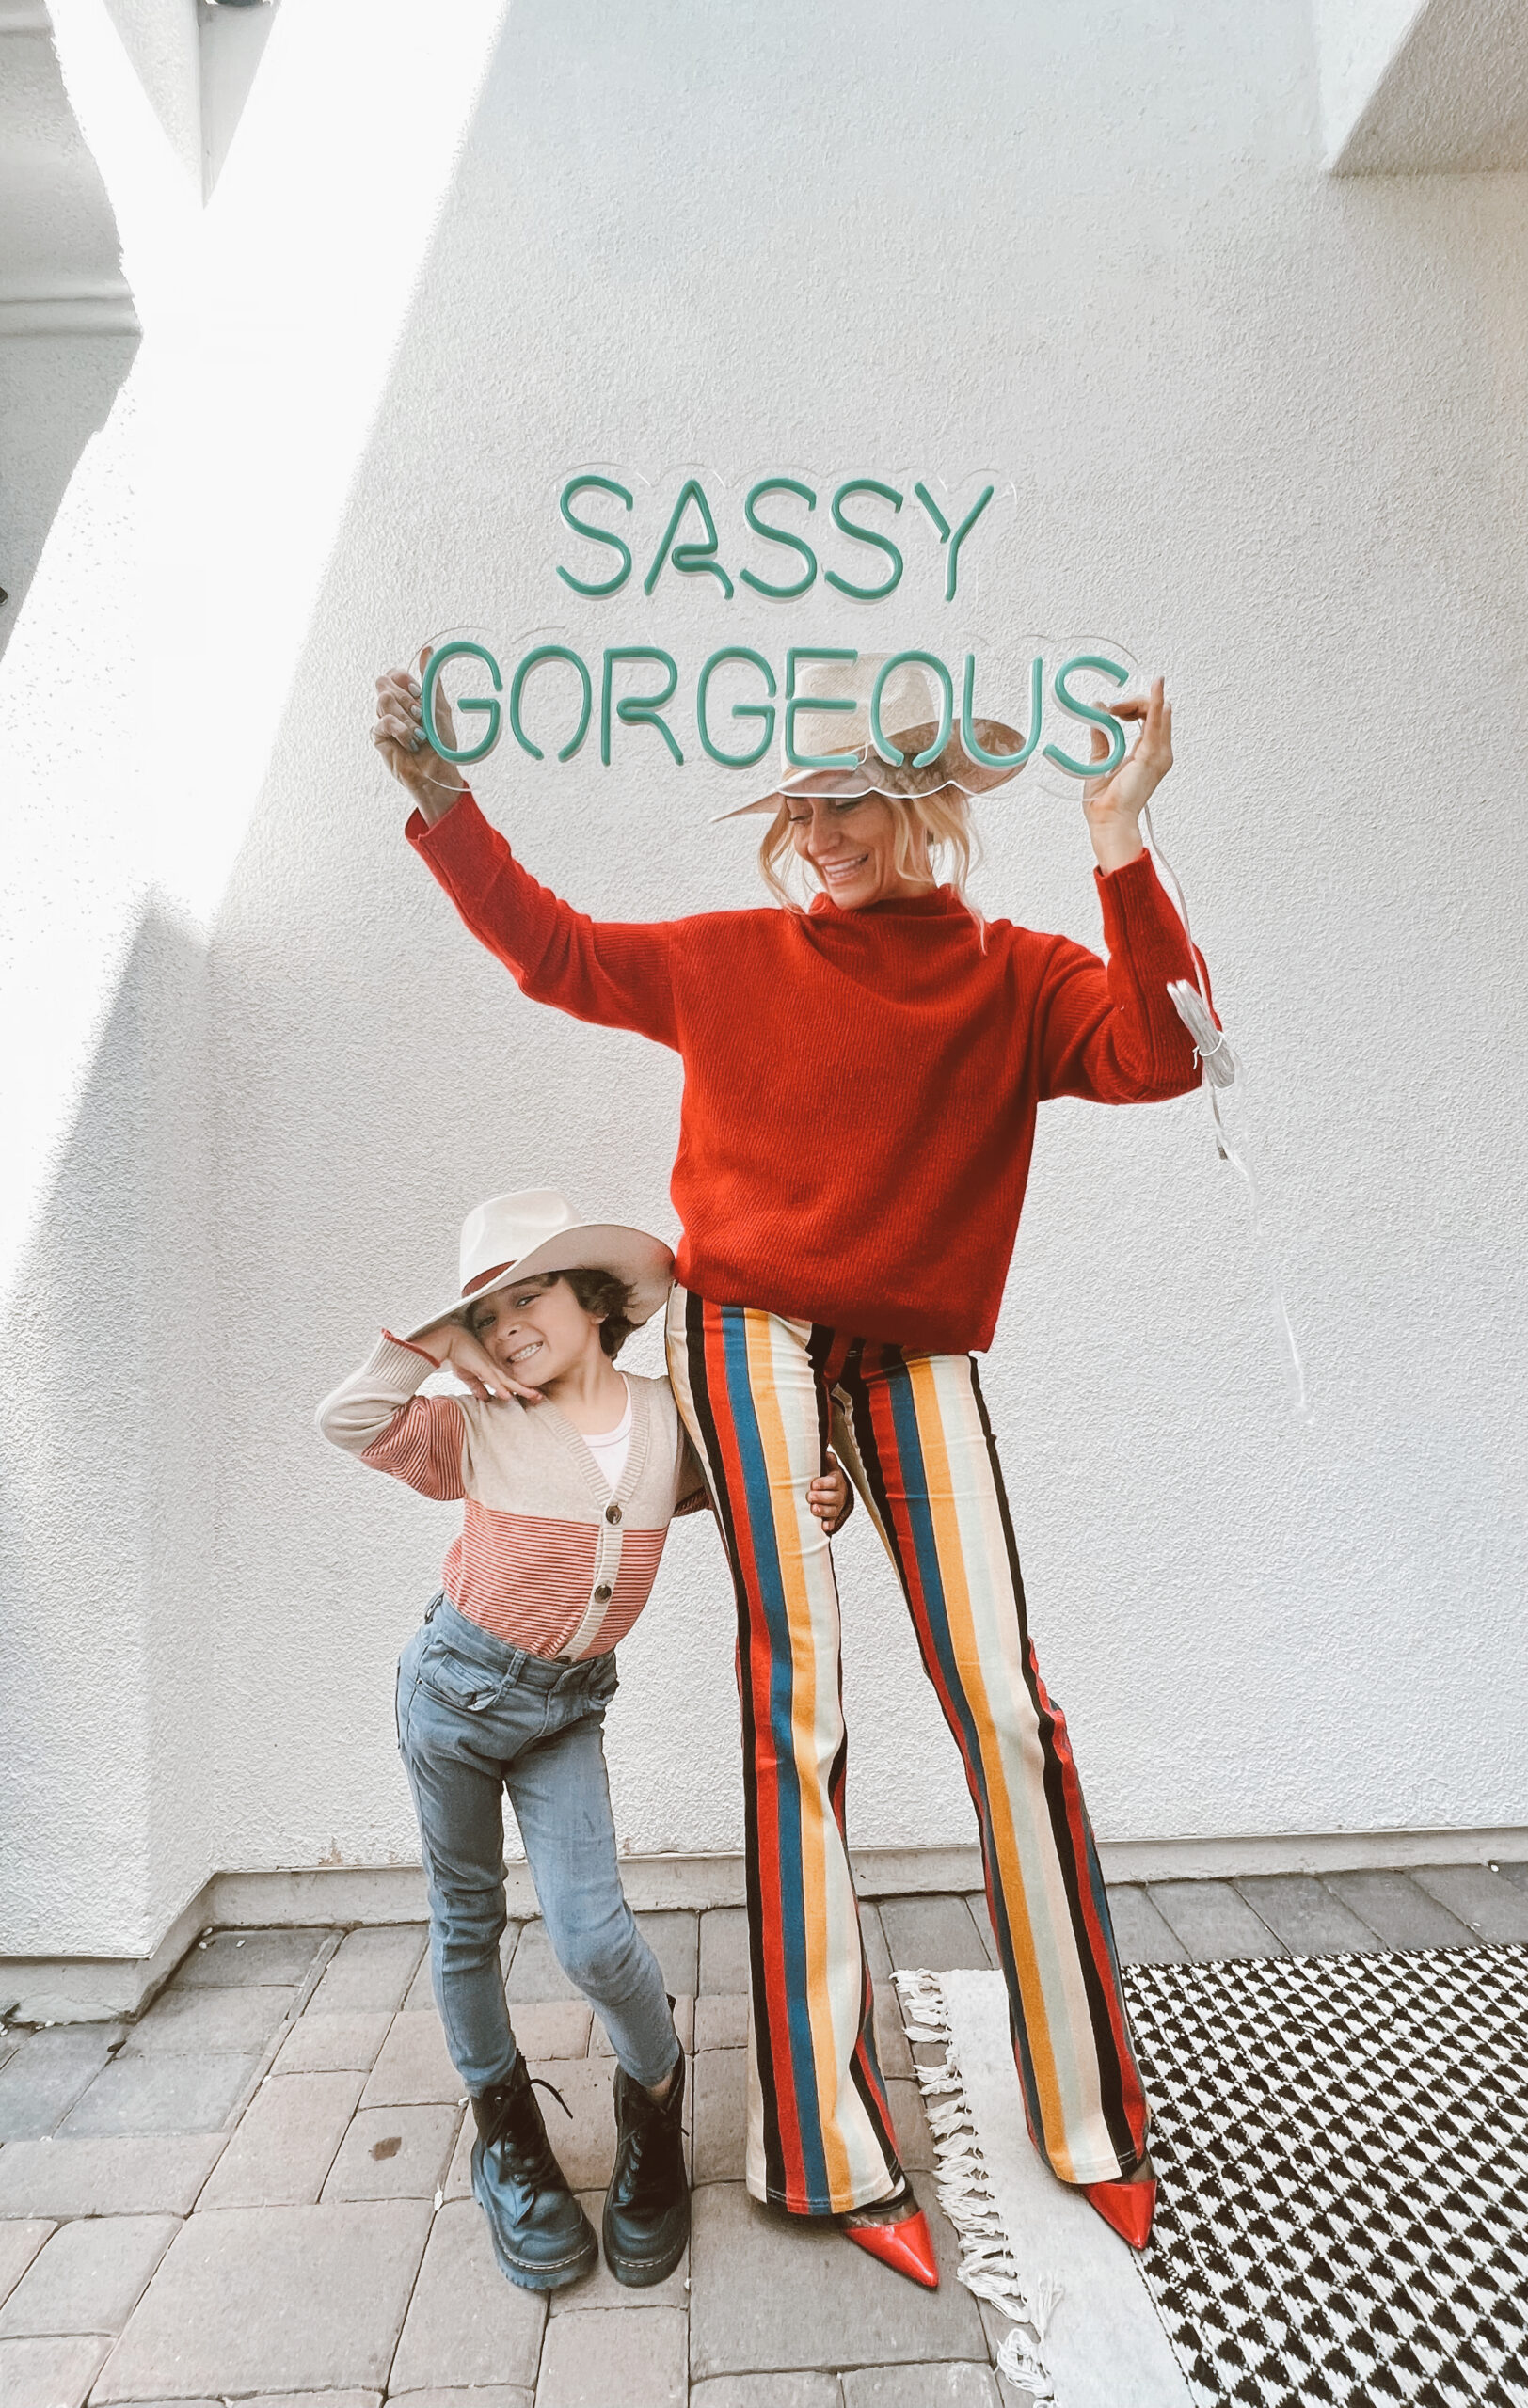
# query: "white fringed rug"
1343,2145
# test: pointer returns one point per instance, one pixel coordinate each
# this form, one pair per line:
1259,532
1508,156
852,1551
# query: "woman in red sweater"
846,1242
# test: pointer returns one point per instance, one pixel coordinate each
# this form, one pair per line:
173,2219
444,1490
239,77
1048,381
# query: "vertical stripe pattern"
759,1395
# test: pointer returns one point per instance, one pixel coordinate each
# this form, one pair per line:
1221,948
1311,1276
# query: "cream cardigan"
549,1559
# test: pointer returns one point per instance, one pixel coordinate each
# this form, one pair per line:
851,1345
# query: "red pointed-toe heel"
1127,2206
906,2246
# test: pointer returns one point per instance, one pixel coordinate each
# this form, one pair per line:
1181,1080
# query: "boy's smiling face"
536,1330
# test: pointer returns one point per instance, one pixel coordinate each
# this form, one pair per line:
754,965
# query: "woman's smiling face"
536,1330
852,847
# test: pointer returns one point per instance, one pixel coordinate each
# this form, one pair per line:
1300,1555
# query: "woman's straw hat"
535,1230
910,714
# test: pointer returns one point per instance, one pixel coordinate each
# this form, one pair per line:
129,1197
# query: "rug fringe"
988,2267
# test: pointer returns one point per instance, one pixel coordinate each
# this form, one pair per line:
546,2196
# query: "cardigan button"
613,1512
602,1593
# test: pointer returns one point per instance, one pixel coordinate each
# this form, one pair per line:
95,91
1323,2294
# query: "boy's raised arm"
376,1415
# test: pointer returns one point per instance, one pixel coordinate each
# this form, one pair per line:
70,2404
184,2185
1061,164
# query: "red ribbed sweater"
859,1087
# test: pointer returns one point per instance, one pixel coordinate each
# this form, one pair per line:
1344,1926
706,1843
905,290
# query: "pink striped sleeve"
423,1445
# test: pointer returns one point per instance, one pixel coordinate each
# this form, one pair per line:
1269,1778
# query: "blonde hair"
934,833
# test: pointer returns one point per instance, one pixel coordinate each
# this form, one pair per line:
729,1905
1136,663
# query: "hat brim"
865,772
642,1263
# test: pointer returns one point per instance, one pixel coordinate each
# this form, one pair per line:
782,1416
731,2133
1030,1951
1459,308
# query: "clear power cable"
1219,1066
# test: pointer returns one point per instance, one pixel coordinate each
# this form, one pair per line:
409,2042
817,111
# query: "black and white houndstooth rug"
1343,2143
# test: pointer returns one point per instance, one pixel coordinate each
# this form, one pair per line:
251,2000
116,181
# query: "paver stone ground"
1213,1920
285,2141
590,2359
802,2390
1141,1935
51,2373
724,1950
466,2323
412,2068
47,2073
960,2383
1495,1909
486,2395
342,2274
933,1934
159,2175
1402,1915
552,2027
145,2094
395,2153
1306,1915
89,2277
720,2022
371,1970
721,2111
333,2044
770,2292
239,1959
210,2022
20,2238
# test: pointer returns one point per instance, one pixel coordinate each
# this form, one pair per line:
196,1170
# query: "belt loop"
429,1610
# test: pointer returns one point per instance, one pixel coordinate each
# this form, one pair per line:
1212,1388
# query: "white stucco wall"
1265,431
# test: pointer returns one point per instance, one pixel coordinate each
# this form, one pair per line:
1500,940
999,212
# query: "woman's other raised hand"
398,732
1112,806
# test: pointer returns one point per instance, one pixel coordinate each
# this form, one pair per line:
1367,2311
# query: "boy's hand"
450,1343
830,1496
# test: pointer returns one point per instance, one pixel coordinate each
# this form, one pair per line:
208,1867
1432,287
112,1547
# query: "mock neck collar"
937,905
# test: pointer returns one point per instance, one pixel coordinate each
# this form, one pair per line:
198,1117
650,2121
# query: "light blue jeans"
476,1718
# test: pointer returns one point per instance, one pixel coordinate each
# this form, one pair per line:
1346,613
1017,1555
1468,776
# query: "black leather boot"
647,2219
541,2236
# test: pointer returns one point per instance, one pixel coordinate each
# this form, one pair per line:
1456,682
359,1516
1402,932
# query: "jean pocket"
454,1680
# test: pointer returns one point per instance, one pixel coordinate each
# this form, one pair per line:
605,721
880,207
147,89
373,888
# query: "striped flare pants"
761,1398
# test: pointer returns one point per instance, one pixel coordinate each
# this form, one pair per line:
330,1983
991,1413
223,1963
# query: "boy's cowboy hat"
909,717
535,1231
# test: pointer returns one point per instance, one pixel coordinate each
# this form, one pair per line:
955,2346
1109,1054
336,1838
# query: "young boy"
570,1472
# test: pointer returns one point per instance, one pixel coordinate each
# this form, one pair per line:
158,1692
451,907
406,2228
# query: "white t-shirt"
610,1447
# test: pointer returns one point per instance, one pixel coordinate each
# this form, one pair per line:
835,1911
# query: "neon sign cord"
1220,1066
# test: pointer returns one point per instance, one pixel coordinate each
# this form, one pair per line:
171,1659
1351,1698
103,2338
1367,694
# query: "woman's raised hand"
451,1343
1112,806
398,732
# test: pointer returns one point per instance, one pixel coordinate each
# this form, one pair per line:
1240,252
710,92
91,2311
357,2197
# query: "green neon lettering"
595,534
946,710
533,660
795,703
866,535
1094,717
933,510
958,537
635,710
780,535
691,560
739,710
968,727
467,702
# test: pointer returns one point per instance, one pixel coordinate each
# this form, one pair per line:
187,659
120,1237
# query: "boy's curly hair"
600,1292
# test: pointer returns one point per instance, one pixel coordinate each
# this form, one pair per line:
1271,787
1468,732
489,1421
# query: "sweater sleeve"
613,972
376,1415
1110,1032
